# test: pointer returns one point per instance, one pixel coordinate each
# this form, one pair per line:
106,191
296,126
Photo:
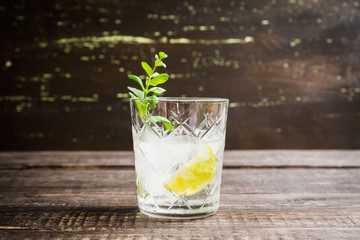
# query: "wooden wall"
289,67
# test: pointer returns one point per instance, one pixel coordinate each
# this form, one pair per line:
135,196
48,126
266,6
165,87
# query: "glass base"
179,212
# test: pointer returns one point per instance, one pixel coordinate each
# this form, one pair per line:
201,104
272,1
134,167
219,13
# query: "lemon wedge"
195,175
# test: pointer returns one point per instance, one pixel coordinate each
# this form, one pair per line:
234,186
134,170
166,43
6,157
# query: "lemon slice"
195,175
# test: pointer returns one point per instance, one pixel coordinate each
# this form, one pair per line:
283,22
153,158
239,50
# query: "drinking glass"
179,164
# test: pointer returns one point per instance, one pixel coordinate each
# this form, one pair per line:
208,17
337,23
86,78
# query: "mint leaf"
137,92
132,95
159,79
162,64
168,126
162,55
165,121
136,79
142,107
158,62
147,68
155,119
153,101
153,79
157,90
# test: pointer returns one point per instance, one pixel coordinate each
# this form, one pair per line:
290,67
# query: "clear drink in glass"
178,170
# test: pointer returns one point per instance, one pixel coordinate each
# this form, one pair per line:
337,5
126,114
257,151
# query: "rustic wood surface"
232,158
290,68
265,195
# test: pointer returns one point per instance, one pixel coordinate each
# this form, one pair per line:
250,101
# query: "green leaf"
132,95
159,79
165,121
162,55
168,126
147,68
137,92
160,64
158,58
158,119
153,101
157,90
142,107
136,79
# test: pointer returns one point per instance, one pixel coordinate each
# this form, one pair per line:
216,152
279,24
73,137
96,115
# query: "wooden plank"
300,158
269,233
67,158
258,203
47,184
290,69
99,222
232,158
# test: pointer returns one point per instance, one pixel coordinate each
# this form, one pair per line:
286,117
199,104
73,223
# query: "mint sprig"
148,93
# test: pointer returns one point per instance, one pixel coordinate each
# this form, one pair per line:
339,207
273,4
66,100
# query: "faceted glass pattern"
198,134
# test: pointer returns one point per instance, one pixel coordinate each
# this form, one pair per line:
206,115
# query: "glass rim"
186,99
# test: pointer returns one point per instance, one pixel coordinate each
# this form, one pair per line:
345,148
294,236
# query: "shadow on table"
68,218
74,218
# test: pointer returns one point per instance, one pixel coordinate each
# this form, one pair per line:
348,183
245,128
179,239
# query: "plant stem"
146,91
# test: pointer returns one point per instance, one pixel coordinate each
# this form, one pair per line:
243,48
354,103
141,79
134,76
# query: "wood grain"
289,67
313,203
256,203
232,159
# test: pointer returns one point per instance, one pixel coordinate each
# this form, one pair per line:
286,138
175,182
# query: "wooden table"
264,195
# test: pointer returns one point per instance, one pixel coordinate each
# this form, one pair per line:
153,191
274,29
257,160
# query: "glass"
178,169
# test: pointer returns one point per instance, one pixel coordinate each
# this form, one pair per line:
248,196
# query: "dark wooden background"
289,67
